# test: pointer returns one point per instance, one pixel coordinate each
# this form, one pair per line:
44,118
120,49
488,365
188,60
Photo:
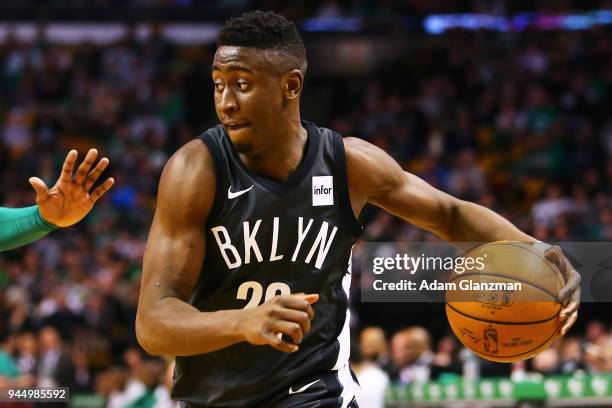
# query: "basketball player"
247,265
63,205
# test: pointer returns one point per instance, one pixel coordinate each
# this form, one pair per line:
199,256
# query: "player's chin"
241,139
243,148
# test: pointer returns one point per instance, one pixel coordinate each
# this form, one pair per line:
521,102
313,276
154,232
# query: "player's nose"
228,101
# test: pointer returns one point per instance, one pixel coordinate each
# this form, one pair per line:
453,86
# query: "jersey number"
275,288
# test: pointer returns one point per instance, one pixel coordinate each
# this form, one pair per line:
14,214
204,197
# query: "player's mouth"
235,126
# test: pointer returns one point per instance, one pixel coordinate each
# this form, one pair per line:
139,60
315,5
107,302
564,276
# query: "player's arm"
376,178
20,226
166,323
64,204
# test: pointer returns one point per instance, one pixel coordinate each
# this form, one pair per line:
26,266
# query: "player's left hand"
569,295
69,200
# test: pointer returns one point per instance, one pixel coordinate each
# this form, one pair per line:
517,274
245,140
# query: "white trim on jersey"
349,386
344,339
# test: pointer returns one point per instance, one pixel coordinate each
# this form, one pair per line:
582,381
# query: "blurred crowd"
518,123
412,356
408,356
43,359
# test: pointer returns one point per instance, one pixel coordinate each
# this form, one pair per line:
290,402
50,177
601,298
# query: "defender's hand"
289,314
569,295
69,200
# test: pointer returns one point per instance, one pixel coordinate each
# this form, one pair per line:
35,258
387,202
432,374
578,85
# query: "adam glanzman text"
412,264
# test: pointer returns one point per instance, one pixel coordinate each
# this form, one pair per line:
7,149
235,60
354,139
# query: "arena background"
505,103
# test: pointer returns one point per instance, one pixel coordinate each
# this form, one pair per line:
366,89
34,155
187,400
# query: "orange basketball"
503,306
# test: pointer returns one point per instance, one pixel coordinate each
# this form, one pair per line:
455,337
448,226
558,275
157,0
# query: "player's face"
248,95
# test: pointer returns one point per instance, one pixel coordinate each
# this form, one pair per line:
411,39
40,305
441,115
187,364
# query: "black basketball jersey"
267,238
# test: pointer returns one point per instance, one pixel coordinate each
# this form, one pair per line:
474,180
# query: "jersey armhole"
342,184
215,153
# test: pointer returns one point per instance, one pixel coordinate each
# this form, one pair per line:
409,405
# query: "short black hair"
265,30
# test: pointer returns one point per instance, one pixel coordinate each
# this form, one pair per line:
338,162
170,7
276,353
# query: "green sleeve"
19,226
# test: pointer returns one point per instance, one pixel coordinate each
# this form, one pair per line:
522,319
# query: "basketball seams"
503,323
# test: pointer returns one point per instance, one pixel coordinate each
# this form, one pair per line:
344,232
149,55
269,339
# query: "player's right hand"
288,314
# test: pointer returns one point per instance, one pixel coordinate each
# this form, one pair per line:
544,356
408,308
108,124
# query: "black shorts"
319,391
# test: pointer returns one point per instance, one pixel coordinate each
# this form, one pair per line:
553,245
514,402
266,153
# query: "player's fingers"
576,295
554,254
102,189
310,312
95,173
572,286
569,323
298,300
280,345
291,329
312,298
84,167
568,310
296,316
295,301
41,189
68,166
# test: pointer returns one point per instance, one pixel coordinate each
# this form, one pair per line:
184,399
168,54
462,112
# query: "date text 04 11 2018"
43,394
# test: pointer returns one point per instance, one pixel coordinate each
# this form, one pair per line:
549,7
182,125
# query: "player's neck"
282,154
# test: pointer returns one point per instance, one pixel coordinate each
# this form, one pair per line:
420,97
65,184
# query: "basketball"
503,306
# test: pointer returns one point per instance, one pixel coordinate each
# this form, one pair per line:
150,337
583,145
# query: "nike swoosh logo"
304,388
231,195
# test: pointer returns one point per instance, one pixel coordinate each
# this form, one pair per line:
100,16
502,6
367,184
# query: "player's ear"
293,82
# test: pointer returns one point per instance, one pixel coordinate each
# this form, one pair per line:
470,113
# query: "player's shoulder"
190,165
369,168
188,182
363,154
192,156
359,154
187,187
356,146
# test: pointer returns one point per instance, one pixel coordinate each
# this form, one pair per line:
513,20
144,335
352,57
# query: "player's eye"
242,85
218,86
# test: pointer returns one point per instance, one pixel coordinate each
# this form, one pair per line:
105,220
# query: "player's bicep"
416,201
175,249
380,180
173,261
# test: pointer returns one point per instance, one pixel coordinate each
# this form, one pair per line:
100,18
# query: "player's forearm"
173,327
19,226
471,222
